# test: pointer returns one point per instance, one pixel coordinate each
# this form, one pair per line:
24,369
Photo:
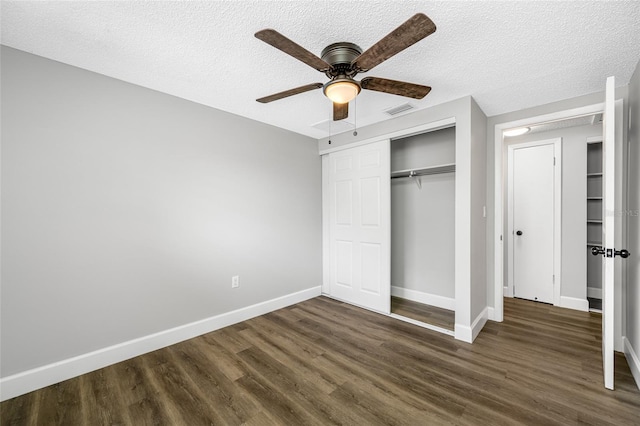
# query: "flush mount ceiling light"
516,132
341,90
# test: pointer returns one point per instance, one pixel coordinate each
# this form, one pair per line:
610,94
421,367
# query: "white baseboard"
491,313
596,293
632,360
574,303
426,298
469,334
30,380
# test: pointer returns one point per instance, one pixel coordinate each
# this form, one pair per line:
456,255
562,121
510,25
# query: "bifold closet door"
360,225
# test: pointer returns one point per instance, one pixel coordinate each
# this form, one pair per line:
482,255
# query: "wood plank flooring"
324,362
424,313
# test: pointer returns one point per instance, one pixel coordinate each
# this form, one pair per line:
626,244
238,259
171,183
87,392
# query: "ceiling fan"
342,61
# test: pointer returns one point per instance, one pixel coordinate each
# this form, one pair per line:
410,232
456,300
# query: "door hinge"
553,278
554,161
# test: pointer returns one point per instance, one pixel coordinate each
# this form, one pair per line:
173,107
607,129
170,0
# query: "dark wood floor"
324,362
442,318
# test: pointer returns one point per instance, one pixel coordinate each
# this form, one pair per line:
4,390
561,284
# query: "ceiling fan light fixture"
341,91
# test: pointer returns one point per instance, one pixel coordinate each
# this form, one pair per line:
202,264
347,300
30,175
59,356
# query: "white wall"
126,211
574,213
422,219
632,343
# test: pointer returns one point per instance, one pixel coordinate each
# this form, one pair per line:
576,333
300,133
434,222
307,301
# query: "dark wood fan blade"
340,111
289,92
394,87
413,30
279,41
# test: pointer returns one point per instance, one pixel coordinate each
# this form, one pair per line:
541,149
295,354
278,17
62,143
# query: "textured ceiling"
507,55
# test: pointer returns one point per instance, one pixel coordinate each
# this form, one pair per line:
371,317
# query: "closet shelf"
594,220
594,174
593,244
594,198
432,170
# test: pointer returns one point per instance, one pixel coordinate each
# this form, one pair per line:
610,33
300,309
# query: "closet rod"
447,168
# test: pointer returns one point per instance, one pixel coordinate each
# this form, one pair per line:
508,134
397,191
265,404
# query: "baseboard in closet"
595,293
574,303
426,298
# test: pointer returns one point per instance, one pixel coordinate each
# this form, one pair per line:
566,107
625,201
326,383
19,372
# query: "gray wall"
478,210
574,209
422,220
633,219
126,211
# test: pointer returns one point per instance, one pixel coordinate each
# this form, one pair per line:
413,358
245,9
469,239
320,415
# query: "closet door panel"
371,264
370,202
359,225
344,202
344,257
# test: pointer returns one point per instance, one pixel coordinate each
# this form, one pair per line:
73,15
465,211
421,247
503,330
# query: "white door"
360,225
533,205
608,232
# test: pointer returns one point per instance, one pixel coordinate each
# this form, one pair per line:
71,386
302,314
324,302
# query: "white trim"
574,303
632,360
402,133
469,334
557,213
490,313
423,324
30,380
498,182
594,292
426,298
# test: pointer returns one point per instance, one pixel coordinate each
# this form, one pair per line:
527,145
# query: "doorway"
615,285
423,178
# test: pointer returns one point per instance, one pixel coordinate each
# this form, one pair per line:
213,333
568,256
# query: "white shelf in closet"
594,210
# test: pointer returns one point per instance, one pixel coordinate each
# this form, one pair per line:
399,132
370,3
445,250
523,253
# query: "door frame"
497,314
557,214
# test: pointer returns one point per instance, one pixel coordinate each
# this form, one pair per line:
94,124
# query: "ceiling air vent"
399,109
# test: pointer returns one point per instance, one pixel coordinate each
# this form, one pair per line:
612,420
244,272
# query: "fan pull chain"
355,116
330,128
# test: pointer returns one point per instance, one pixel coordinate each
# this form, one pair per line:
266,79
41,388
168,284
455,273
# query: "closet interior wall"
423,220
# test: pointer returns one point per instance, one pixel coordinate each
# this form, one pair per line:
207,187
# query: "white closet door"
360,225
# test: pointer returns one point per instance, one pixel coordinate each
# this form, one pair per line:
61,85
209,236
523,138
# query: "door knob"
610,253
622,253
518,233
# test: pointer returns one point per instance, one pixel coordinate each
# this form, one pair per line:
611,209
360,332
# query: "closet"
594,222
404,218
423,228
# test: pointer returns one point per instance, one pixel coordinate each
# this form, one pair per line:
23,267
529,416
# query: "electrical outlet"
235,281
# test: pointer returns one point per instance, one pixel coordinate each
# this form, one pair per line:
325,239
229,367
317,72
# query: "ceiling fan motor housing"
339,56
